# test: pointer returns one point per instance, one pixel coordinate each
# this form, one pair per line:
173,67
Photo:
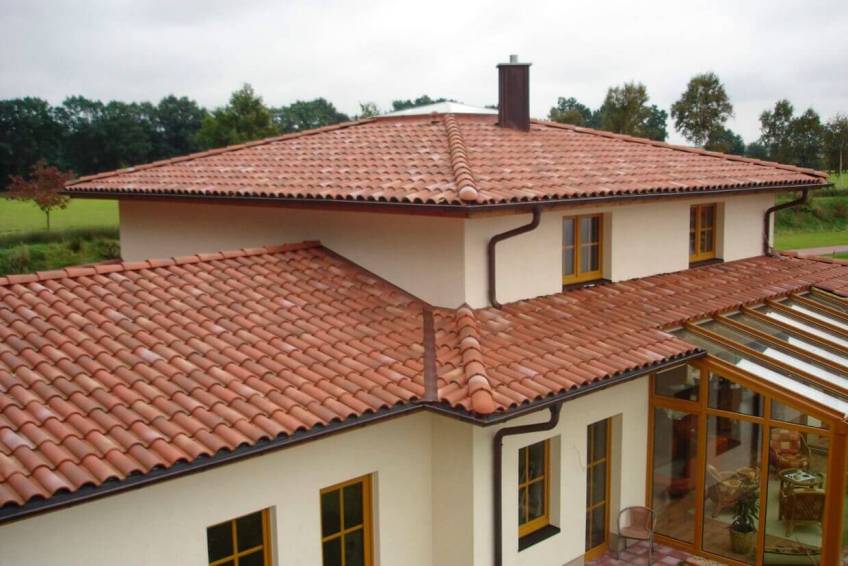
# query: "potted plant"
743,529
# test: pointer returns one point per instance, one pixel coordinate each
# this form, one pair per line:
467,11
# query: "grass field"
18,216
801,240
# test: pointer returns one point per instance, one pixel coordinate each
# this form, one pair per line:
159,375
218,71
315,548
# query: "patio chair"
638,525
788,449
725,490
802,504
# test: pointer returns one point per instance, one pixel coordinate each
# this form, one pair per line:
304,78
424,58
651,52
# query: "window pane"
675,448
707,216
255,559
692,250
693,211
537,460
355,548
586,230
706,241
568,232
353,505
522,465
796,497
219,540
681,383
833,321
330,509
793,339
536,500
333,552
522,505
789,414
732,488
598,526
730,396
568,261
599,472
805,326
249,531
599,440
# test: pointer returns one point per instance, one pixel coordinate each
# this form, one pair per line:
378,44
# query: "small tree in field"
44,188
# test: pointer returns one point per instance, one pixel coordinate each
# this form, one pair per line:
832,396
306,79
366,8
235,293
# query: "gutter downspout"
497,450
767,249
490,252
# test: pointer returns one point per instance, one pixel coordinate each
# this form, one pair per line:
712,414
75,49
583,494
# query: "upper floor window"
346,523
702,232
240,542
534,487
582,248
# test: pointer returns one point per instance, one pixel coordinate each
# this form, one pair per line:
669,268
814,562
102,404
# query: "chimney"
514,94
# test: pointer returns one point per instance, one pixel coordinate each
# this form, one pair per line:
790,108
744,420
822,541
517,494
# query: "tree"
177,121
756,150
44,188
306,115
367,110
570,111
836,143
726,140
245,118
84,144
625,111
774,131
806,135
29,131
422,100
702,110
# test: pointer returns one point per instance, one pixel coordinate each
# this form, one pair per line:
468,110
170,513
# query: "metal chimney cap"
513,58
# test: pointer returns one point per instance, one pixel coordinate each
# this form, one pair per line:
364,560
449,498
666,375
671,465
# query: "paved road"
826,250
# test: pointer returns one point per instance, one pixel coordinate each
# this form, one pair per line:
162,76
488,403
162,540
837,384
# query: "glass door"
597,488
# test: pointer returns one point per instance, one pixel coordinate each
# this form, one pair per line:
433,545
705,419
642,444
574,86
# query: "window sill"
582,284
537,536
705,262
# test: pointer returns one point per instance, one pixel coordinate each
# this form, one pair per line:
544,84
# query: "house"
429,339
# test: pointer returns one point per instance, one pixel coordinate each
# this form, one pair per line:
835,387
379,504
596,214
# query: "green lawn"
801,240
18,216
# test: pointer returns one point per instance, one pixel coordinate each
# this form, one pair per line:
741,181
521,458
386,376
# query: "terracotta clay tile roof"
113,372
117,370
533,349
449,160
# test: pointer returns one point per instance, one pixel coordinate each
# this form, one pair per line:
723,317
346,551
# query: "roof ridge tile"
474,370
467,186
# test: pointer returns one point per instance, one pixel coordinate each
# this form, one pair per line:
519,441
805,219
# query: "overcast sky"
378,50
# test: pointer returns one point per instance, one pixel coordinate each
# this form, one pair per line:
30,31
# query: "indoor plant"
743,529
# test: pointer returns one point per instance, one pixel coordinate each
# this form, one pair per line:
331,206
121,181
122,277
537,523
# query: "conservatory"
747,451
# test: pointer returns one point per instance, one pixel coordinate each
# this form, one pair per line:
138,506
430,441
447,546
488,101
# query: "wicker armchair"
725,489
638,524
788,449
801,504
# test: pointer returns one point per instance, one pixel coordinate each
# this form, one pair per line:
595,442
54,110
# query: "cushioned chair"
788,449
801,504
636,523
724,491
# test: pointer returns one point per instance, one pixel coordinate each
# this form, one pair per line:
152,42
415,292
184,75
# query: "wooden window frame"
578,276
238,554
544,520
698,230
836,432
366,525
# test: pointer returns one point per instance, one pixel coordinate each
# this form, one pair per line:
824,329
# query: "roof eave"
440,209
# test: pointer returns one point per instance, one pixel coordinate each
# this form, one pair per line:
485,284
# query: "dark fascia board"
459,210
90,493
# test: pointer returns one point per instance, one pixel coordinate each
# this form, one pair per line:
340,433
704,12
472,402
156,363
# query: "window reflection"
730,396
675,450
681,382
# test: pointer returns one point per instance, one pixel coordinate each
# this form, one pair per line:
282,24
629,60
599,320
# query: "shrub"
16,260
75,245
107,248
44,237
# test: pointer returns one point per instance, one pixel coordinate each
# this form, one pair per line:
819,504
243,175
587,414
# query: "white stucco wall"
443,260
421,254
627,404
166,523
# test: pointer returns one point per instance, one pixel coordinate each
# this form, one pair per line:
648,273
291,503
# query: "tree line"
89,136
700,115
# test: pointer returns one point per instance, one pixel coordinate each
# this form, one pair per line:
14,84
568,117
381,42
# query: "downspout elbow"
491,255
767,247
